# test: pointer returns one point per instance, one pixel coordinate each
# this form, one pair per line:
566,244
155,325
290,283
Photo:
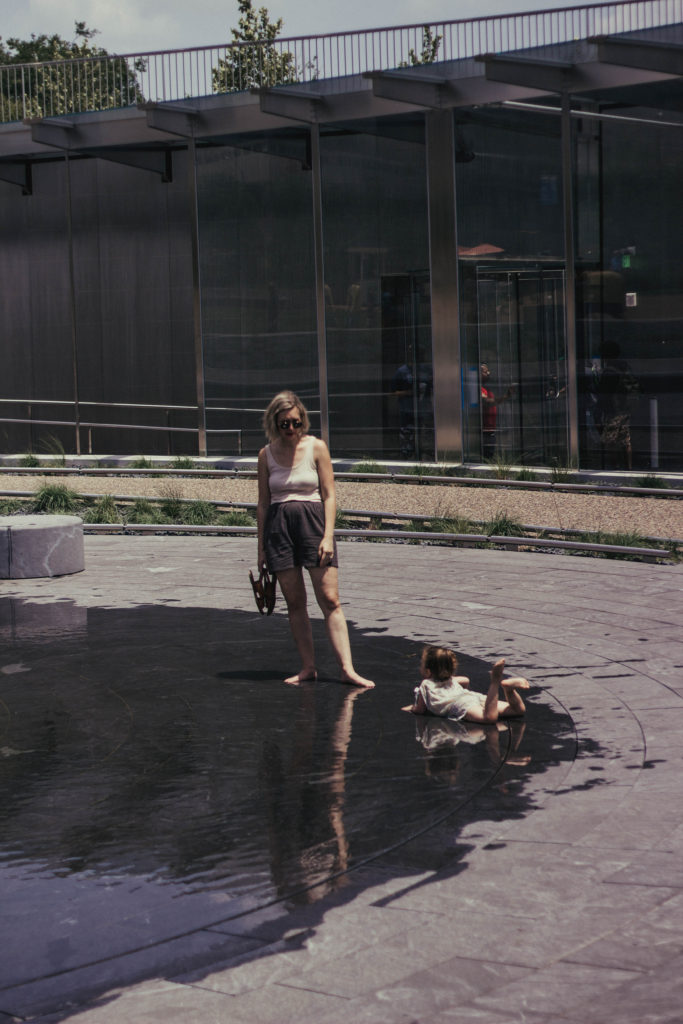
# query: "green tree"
47,75
254,60
429,53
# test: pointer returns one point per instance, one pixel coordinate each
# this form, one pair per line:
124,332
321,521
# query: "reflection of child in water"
443,693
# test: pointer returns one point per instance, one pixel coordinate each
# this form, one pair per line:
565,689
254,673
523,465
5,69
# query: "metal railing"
63,87
77,425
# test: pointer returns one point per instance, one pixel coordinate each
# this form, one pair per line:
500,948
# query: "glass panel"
630,296
512,289
377,290
257,283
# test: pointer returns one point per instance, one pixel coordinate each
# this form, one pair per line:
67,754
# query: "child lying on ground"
443,693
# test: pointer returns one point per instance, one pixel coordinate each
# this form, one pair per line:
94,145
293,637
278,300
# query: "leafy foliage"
256,61
47,75
429,52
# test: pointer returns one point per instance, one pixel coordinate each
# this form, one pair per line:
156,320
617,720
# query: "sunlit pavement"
185,838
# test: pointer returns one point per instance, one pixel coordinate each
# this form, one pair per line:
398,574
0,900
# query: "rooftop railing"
109,82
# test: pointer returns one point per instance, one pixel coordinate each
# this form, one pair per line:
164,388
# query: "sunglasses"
286,424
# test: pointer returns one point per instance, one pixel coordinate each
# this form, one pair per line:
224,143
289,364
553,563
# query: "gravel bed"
650,517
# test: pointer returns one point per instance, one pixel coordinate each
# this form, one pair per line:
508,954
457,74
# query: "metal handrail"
113,81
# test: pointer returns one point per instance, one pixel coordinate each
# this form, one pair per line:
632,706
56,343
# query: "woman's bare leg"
326,586
293,587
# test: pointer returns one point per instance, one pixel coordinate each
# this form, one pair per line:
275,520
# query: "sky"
143,26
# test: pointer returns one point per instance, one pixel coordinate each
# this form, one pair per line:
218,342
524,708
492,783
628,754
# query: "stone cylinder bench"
34,546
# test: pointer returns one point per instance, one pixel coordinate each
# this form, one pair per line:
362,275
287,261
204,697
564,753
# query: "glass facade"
511,255
630,295
377,308
257,281
409,274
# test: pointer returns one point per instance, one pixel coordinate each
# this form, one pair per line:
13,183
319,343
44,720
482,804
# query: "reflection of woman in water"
305,795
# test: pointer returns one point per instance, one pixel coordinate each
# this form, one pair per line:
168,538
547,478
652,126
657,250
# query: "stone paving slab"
555,892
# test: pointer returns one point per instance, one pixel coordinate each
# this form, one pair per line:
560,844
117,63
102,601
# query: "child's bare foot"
354,679
497,671
304,676
516,683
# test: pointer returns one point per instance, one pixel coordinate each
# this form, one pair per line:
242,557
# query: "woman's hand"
325,551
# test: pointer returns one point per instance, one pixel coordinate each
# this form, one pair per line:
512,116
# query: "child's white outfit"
449,699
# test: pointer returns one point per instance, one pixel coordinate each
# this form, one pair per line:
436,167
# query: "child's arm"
419,707
463,680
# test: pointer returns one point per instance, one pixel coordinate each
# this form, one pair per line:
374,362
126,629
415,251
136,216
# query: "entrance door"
523,418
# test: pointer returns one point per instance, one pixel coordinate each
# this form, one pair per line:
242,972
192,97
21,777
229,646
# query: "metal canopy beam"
158,161
294,104
18,174
640,53
547,75
174,119
421,90
57,132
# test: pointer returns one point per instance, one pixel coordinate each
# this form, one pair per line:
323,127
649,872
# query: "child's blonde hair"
439,663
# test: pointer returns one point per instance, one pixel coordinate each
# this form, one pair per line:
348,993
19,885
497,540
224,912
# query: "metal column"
72,302
443,259
320,282
570,291
196,299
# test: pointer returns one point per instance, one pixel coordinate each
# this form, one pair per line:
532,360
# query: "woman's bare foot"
355,680
497,672
516,683
304,676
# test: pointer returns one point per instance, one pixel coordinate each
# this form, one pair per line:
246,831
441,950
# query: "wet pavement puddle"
156,775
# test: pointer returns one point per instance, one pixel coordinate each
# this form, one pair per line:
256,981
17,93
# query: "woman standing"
296,514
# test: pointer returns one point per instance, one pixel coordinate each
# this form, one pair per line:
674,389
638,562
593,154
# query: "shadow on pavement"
166,801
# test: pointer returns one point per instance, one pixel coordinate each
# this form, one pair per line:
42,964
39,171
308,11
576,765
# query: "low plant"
651,480
55,499
199,513
526,474
616,539
103,511
141,462
422,469
450,524
341,522
10,506
501,465
236,518
143,512
182,462
503,525
171,500
51,445
560,473
29,460
368,466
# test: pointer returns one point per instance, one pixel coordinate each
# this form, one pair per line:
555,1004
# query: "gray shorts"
292,534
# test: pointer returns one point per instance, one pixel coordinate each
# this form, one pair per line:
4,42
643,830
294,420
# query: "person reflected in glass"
295,514
616,389
441,692
489,412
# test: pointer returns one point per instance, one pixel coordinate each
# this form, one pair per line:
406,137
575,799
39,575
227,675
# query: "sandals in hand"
264,591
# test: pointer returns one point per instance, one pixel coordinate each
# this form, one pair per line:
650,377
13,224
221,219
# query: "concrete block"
37,546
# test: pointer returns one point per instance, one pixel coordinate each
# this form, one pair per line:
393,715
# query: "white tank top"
294,483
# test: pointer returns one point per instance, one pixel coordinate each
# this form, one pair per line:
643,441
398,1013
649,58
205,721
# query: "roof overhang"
593,68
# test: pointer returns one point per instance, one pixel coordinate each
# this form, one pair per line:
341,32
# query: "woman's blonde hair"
439,662
284,400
